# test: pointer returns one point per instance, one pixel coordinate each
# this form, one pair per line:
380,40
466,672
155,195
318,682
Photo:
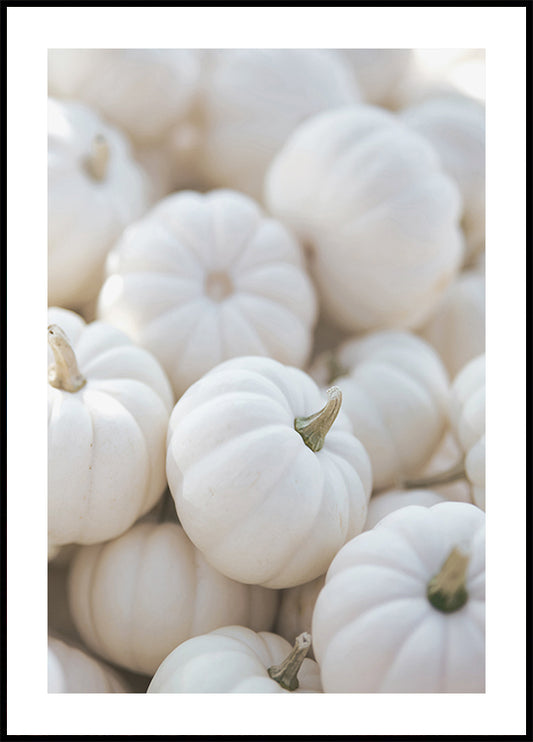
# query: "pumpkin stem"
64,372
457,471
447,590
97,162
286,673
314,428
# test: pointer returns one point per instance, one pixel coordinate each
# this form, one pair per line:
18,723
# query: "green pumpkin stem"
447,591
286,674
314,428
455,472
64,372
98,161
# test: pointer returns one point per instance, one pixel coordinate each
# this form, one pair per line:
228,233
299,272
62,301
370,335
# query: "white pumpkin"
254,98
368,197
145,92
204,278
387,502
135,598
235,659
455,127
395,393
266,502
467,415
95,189
403,607
71,670
457,327
109,403
379,72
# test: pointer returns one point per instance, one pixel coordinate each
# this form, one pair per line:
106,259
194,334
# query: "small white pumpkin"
135,598
254,98
403,607
367,195
145,92
108,408
467,414
379,72
95,189
235,659
204,278
395,393
71,670
455,126
268,481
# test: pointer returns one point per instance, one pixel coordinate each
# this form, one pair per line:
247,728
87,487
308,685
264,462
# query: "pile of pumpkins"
266,373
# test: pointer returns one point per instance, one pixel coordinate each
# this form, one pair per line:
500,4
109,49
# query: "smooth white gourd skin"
254,98
457,328
70,670
145,92
261,506
395,393
134,599
378,71
85,214
467,415
216,276
455,127
296,607
370,200
387,502
232,659
106,442
374,630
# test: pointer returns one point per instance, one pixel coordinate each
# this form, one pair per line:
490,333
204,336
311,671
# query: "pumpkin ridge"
250,246
193,244
99,384
133,633
146,494
163,317
219,229
295,546
101,645
390,567
379,415
219,541
401,648
341,633
421,392
261,297
266,337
